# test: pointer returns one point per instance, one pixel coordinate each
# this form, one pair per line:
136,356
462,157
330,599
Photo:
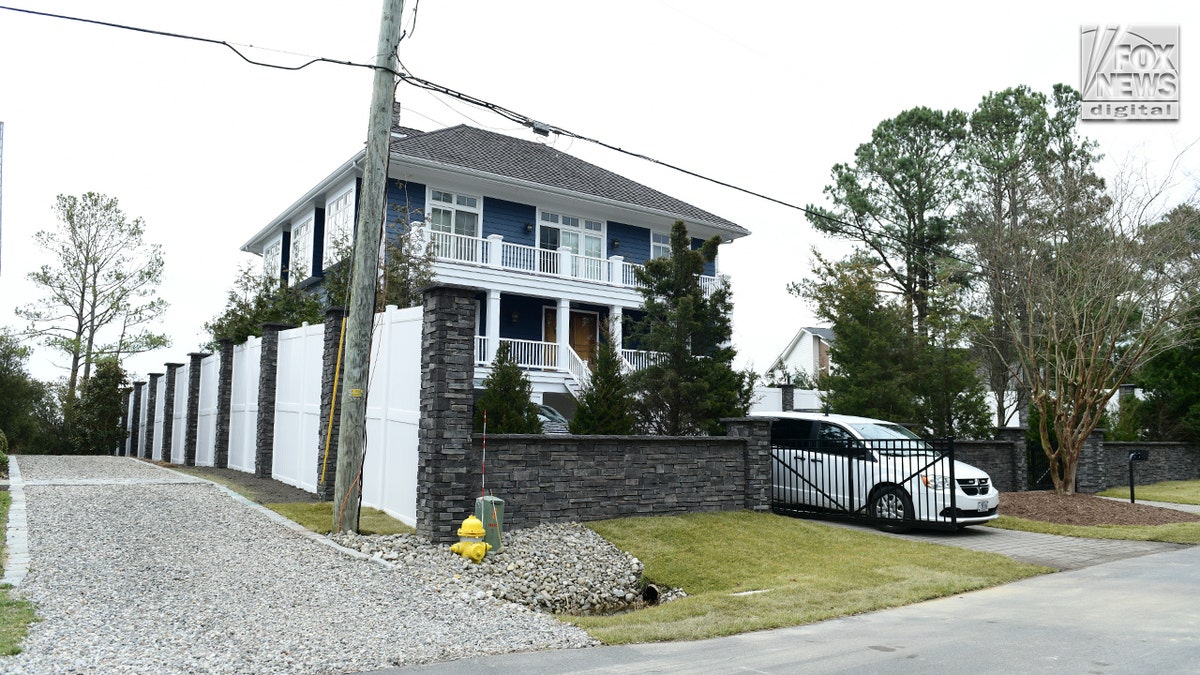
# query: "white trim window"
454,224
273,260
660,245
454,213
301,251
339,226
581,236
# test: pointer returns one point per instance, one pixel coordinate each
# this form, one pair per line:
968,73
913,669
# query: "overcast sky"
766,95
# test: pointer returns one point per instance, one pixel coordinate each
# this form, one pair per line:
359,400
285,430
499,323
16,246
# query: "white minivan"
858,466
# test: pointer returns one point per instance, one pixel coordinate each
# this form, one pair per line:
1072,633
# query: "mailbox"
1135,456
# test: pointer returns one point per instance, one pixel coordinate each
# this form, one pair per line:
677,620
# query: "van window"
832,432
786,431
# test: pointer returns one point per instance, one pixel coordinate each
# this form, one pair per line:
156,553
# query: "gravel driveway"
137,569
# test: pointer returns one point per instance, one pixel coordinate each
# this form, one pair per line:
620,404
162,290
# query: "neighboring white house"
806,353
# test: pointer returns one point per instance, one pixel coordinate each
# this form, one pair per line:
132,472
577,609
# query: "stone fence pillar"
1091,474
151,415
193,408
331,402
264,452
169,411
1020,455
224,402
757,433
444,496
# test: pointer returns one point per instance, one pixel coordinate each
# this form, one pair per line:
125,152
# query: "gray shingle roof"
514,158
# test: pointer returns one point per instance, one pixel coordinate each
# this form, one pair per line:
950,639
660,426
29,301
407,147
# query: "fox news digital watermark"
1129,72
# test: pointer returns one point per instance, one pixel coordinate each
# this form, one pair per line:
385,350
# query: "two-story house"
551,242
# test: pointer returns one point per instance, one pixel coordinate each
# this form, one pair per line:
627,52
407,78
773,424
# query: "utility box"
490,511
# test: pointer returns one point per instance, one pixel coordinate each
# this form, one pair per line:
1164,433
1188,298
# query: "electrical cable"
181,36
407,77
538,127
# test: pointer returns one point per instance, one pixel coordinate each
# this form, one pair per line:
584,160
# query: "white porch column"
493,324
562,332
495,253
564,263
616,328
616,269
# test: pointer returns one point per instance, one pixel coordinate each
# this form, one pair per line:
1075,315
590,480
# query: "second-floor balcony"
494,252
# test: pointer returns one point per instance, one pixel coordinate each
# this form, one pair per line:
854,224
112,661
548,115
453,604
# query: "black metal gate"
894,484
1039,467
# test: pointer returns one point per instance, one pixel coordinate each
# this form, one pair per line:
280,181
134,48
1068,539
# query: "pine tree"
507,399
691,384
605,406
98,427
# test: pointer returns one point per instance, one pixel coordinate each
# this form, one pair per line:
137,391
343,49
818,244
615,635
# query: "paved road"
1137,615
1121,607
1062,553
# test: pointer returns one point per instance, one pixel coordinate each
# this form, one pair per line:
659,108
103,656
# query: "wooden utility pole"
347,488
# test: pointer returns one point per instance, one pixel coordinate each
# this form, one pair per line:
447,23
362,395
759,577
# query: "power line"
407,77
180,36
524,120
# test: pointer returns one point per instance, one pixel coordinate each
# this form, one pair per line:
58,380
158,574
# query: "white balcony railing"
638,360
493,251
544,356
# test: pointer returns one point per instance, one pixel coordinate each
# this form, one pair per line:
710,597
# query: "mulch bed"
1080,509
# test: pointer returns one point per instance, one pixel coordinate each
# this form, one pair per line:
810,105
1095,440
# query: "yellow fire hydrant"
470,540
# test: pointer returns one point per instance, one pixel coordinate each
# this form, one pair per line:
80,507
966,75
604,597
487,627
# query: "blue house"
551,242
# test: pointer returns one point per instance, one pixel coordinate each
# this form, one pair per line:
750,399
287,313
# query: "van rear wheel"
893,508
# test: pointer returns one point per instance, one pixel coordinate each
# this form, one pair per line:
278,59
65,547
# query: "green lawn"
1174,491
15,614
1176,533
318,517
1177,492
787,571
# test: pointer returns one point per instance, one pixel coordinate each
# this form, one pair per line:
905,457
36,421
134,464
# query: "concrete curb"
16,544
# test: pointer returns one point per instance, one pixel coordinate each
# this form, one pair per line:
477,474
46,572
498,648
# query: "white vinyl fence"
298,407
160,404
243,417
389,477
393,413
206,432
179,415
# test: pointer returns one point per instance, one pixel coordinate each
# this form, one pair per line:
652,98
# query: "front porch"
550,363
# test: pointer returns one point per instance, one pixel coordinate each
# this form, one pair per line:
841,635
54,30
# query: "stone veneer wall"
224,403
327,459
1167,461
264,453
561,478
1006,459
444,438
193,408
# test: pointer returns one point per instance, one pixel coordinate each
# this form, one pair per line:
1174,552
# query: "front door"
583,334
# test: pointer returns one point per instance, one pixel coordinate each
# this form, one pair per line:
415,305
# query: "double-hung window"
454,224
339,227
273,261
301,251
660,245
